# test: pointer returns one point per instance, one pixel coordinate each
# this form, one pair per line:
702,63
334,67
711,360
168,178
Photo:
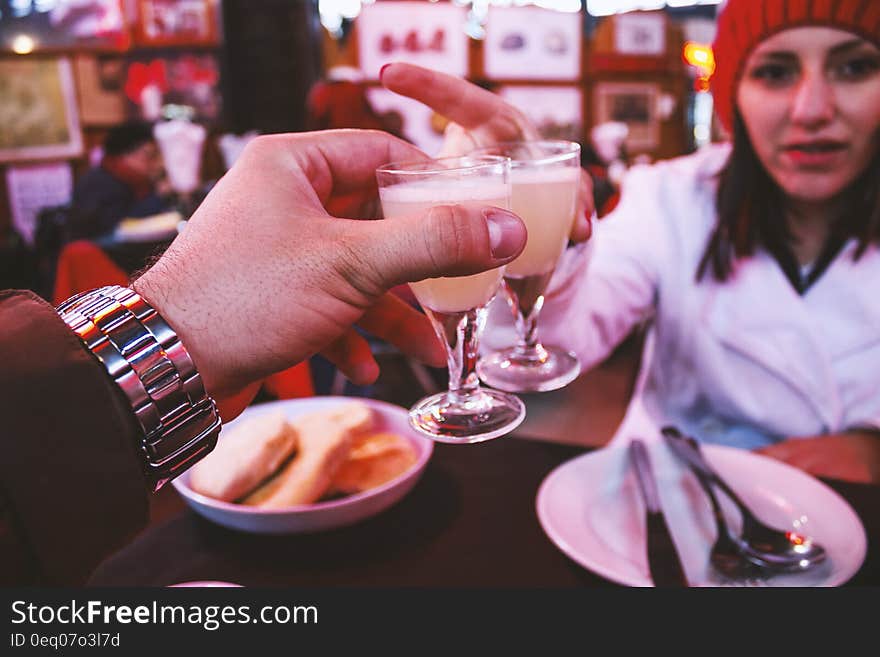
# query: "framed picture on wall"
99,82
38,113
187,79
176,23
532,43
423,33
632,103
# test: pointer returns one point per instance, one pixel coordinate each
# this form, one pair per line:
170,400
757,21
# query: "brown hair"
751,210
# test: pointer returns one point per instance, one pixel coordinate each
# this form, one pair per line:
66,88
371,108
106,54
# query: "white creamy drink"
460,293
546,200
544,184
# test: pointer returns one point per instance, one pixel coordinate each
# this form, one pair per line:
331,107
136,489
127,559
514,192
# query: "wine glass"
544,177
456,306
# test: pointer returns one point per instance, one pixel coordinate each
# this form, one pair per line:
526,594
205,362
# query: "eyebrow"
849,45
788,55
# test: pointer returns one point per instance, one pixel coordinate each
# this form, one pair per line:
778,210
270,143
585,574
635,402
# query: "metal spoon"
733,560
784,551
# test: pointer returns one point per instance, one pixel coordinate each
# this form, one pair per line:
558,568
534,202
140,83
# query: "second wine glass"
544,177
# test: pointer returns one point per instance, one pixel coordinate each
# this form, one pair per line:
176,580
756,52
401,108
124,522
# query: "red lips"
819,153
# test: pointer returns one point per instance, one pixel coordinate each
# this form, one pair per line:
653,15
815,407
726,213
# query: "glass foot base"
483,415
512,371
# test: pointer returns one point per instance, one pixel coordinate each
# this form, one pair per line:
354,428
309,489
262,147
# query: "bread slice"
246,454
354,416
375,459
325,440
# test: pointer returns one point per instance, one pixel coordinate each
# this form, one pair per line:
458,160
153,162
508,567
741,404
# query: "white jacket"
747,362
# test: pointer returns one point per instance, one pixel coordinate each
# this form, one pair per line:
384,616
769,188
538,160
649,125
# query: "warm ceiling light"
701,56
23,44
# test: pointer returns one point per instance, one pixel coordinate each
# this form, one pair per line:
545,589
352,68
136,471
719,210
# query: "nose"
814,104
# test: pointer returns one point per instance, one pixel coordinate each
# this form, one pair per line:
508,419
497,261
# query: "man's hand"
262,277
852,456
478,118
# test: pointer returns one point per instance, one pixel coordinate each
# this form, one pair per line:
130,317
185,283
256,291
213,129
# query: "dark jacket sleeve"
72,490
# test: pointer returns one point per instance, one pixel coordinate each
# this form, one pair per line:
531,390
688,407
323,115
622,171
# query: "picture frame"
38,111
427,34
176,23
187,78
532,43
632,103
99,82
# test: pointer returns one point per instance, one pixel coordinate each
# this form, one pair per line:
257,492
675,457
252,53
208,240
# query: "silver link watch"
144,356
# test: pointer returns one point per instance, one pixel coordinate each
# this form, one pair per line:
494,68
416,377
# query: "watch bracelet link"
145,358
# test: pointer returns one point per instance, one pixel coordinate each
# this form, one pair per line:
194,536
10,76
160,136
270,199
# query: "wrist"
162,293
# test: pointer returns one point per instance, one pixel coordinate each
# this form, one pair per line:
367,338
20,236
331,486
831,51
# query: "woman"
758,260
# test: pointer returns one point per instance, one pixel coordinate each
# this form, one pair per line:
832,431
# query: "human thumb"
445,240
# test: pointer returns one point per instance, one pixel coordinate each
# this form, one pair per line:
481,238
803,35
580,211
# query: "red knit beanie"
743,24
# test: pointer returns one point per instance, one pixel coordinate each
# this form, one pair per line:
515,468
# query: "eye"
857,68
774,74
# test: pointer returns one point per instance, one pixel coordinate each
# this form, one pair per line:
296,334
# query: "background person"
127,183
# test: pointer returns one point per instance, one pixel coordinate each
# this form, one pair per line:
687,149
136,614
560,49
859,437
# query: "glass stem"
460,333
528,347
527,329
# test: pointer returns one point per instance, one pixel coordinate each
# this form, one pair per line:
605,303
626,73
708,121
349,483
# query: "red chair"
82,265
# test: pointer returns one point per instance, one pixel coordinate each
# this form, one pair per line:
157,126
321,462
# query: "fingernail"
382,70
506,233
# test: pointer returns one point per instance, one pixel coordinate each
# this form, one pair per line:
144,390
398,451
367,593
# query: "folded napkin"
146,229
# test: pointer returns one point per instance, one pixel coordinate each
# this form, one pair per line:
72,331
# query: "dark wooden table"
469,522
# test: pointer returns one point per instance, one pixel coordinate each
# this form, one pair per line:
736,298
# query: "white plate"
321,515
204,585
591,508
